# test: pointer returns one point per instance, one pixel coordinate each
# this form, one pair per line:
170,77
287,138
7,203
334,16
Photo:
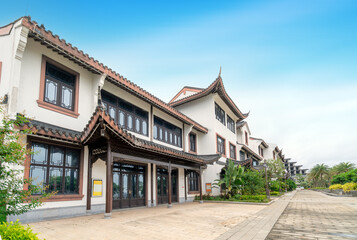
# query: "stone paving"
182,221
314,215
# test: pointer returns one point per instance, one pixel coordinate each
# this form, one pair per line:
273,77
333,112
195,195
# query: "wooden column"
109,185
200,180
152,184
89,180
185,182
170,187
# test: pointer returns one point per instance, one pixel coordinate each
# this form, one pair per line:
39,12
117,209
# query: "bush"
274,186
14,230
275,193
291,185
259,198
347,177
349,186
335,186
253,183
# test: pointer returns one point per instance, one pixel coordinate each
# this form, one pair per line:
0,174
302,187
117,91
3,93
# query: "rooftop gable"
216,87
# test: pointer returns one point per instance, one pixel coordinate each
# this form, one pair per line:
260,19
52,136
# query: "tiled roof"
250,151
46,37
263,142
216,87
52,131
101,115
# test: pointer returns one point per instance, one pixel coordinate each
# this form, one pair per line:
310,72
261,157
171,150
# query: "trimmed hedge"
14,230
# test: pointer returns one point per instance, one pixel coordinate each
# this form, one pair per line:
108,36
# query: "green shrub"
350,176
274,186
14,230
291,185
253,183
273,193
260,198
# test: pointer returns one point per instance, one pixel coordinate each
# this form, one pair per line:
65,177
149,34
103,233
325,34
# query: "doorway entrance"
128,185
162,184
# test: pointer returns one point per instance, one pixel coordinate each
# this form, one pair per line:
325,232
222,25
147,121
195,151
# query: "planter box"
337,191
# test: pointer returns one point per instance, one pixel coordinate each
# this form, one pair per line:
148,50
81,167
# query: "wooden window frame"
126,113
189,142
42,103
230,151
230,120
198,184
223,121
224,147
170,138
240,155
57,197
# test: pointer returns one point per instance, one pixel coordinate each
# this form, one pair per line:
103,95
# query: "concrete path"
314,215
258,226
182,221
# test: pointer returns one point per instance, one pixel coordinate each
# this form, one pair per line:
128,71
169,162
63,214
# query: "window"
59,88
231,124
221,145
193,142
57,167
167,132
246,138
193,182
220,114
125,114
232,151
255,163
261,151
241,155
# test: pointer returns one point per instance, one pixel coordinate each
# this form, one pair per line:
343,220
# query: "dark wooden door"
162,181
128,185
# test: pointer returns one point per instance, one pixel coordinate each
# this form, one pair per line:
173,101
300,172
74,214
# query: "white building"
105,143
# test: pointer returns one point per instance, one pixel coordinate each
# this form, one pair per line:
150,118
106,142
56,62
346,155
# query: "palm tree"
342,168
317,174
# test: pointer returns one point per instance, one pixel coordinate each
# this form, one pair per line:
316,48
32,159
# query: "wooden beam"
185,181
200,179
109,185
170,187
131,158
152,184
89,180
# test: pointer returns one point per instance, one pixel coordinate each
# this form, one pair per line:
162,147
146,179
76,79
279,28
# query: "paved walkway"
182,221
258,225
314,215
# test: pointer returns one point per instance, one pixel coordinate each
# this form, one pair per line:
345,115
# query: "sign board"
97,187
208,187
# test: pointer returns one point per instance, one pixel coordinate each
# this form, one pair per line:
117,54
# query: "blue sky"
293,64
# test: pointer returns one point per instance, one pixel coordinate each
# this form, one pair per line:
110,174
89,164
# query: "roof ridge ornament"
220,71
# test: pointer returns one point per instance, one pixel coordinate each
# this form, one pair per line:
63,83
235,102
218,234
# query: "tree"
232,179
276,169
15,199
319,175
342,168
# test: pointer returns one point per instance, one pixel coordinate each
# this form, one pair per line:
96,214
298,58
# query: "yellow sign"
97,188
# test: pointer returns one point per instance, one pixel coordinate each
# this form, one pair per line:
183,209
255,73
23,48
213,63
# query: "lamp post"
265,165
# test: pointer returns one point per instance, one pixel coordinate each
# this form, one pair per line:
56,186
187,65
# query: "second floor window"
220,114
261,152
232,150
167,132
230,124
125,114
221,145
246,138
59,87
193,144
